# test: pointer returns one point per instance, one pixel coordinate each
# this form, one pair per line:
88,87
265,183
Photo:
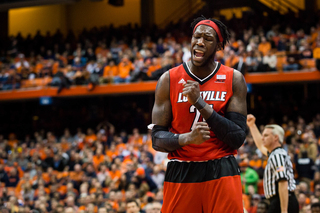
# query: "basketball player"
199,118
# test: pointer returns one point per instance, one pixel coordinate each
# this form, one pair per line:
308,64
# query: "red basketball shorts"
203,187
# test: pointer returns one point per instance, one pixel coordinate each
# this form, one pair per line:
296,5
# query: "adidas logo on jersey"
182,81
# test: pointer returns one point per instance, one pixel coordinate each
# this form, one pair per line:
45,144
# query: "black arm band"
200,104
163,140
230,129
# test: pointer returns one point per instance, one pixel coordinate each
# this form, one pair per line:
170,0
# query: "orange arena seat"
36,82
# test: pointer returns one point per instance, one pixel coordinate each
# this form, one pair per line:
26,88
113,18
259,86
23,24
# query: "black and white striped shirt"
279,167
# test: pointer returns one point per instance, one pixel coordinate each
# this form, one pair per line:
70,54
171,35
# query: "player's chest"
216,95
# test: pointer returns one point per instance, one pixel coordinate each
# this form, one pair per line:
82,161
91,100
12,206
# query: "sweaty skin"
204,41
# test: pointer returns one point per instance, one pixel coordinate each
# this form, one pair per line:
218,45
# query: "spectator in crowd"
264,47
316,55
232,60
133,206
252,62
157,176
141,177
13,178
12,80
315,208
305,167
292,59
263,207
249,177
109,72
309,146
257,163
102,210
22,63
269,61
3,175
125,67
306,51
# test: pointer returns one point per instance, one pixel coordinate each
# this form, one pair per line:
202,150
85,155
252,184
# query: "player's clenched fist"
251,120
200,133
191,90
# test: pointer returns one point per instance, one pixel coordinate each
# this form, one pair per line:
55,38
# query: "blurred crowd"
100,170
130,53
107,170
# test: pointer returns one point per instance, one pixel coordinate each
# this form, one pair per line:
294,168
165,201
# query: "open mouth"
198,54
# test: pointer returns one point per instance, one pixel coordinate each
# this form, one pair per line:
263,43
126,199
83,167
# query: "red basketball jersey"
215,90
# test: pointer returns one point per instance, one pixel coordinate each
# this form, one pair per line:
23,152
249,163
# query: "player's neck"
203,71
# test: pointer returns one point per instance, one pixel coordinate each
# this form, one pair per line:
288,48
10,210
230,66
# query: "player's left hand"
191,90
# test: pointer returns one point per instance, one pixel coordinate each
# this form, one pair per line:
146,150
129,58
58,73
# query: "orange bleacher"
37,82
308,63
281,60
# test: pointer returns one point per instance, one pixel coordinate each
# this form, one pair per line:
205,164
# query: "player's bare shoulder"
163,80
161,113
163,86
238,101
239,83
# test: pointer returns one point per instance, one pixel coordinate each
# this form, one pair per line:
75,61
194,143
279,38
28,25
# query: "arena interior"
77,82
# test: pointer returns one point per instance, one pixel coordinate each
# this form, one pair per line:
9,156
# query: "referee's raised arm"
257,137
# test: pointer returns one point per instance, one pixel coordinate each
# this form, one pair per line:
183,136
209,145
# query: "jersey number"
196,119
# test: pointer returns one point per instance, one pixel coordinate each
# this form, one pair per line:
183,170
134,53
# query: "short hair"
133,201
223,29
276,130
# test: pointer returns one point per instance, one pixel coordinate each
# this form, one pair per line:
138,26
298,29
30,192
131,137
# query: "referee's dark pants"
293,205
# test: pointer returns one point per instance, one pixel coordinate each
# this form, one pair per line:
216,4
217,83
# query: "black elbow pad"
230,129
235,139
163,140
239,119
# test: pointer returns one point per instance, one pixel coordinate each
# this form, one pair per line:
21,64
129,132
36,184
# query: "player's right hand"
251,120
191,90
200,133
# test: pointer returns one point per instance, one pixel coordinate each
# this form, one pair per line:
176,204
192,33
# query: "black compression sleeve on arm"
163,140
230,129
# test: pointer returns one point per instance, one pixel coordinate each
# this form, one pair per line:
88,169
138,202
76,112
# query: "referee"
278,179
